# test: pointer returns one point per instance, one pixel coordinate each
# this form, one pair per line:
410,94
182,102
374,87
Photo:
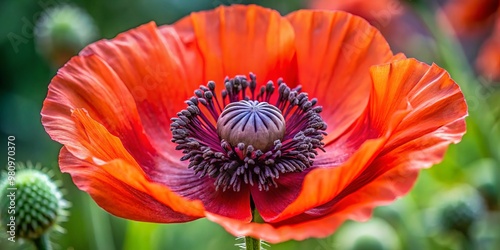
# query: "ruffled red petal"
126,201
275,200
102,156
89,83
185,183
334,53
238,39
158,71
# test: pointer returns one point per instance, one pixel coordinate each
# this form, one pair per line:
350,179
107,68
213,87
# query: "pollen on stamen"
257,135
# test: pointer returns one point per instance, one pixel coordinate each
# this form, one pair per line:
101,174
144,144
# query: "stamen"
241,139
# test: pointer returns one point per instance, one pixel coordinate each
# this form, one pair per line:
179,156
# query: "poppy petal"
99,148
239,39
185,183
158,71
272,234
272,202
127,202
323,183
393,174
88,83
434,98
334,53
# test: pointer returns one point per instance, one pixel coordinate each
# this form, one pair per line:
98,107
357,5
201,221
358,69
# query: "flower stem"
43,242
101,227
250,242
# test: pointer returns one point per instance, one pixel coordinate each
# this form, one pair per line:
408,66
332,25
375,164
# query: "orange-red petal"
272,234
90,111
158,71
115,196
393,173
238,39
272,202
105,152
434,99
88,83
186,183
334,53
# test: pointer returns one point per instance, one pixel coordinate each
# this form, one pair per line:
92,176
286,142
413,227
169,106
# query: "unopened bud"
61,32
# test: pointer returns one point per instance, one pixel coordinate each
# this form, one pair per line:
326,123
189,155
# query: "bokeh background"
454,205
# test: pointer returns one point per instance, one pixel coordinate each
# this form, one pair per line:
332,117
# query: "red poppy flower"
352,137
488,59
469,17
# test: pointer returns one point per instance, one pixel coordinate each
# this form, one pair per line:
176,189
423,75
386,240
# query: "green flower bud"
459,208
482,175
375,234
30,203
63,31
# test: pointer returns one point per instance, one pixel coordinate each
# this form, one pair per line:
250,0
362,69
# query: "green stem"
141,235
250,242
43,242
101,227
467,241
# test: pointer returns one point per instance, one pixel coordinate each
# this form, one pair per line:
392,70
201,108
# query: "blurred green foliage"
414,222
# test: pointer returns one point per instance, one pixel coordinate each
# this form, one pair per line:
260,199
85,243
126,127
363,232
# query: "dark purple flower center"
239,138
